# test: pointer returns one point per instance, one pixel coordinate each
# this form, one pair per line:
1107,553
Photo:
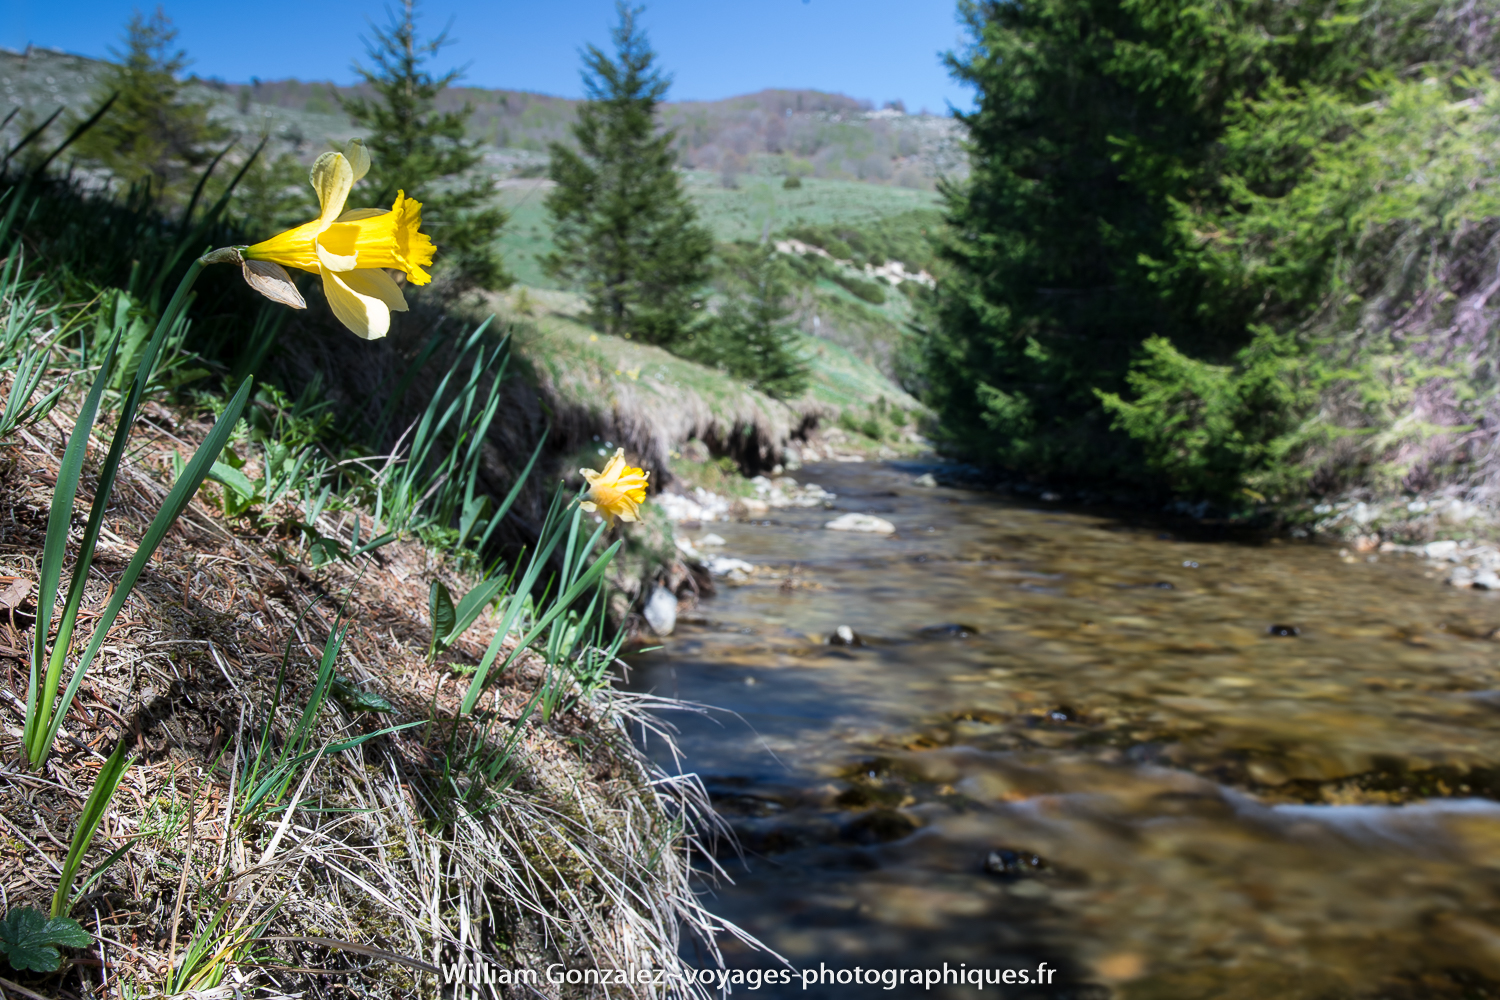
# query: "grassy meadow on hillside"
854,166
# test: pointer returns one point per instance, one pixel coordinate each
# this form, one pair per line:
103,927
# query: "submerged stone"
867,523
948,631
845,636
1010,862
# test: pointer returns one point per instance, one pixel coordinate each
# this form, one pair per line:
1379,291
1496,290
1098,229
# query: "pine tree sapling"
750,338
623,227
152,131
424,151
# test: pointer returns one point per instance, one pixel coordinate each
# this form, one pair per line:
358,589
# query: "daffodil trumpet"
618,491
351,251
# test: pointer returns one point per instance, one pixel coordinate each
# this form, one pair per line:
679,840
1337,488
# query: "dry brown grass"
369,872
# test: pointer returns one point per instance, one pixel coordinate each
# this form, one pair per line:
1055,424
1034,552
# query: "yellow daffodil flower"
618,491
350,250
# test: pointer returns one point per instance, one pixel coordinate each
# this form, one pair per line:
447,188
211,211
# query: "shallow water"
1108,761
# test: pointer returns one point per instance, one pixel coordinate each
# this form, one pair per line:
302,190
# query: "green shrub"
750,338
1221,430
1202,243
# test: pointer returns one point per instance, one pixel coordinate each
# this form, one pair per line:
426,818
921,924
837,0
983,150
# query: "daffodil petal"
335,262
375,283
331,178
358,157
588,505
365,315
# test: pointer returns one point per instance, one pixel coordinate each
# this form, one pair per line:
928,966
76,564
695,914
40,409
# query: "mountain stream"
1169,764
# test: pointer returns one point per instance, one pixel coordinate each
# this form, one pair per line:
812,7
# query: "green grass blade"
513,607
389,410
192,205
202,228
55,548
515,491
31,137
331,649
177,501
88,823
283,772
36,749
473,603
476,688
74,135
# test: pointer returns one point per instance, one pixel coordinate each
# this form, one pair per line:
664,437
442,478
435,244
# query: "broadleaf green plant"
29,941
450,622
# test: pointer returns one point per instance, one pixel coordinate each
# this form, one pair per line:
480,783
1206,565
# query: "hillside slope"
598,387
803,132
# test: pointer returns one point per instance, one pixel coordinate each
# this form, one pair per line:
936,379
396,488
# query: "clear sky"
880,50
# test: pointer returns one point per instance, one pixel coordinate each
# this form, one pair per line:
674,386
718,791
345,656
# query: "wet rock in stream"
845,636
948,631
1009,862
879,826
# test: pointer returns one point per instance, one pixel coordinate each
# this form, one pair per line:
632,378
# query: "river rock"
948,630
1486,579
861,522
701,506
845,636
661,611
879,826
726,565
1010,862
925,480
1446,549
711,540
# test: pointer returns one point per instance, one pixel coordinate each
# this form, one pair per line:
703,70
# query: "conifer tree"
152,131
623,226
417,148
750,338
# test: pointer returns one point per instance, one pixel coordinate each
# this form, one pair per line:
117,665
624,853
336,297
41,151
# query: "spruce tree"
418,149
623,226
750,337
152,131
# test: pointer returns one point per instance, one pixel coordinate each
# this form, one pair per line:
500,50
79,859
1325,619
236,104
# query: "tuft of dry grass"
379,864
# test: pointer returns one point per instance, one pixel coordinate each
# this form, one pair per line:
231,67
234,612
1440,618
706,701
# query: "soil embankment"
529,834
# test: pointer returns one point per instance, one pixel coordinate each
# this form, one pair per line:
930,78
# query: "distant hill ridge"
794,132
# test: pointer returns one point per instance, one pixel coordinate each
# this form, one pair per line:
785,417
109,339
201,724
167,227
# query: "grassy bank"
528,834
356,727
603,388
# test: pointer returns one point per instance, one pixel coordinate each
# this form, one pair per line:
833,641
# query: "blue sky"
875,49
